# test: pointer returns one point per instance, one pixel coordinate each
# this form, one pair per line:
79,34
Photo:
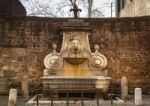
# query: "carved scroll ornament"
97,61
53,61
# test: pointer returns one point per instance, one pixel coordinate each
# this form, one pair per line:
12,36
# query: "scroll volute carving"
53,62
97,61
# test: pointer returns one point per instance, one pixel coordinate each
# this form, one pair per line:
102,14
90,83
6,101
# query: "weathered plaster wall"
136,8
24,41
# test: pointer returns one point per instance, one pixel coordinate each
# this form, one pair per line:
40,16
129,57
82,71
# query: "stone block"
12,97
124,87
138,97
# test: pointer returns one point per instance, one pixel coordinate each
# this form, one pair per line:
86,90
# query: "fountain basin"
77,83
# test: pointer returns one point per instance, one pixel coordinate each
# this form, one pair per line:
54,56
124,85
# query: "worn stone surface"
134,8
25,87
138,97
25,41
12,97
124,87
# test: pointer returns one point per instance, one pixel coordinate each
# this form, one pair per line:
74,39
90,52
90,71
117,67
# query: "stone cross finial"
54,47
75,10
96,47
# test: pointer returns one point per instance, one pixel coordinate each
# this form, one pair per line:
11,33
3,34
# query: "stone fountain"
75,69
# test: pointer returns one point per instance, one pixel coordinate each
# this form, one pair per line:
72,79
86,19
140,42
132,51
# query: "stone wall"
24,41
135,8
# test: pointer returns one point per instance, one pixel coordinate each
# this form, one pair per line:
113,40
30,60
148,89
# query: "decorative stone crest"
97,61
53,61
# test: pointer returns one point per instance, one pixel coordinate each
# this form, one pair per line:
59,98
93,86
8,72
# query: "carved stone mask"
75,46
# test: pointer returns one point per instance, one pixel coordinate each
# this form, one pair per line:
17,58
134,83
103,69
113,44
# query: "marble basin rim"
69,82
76,78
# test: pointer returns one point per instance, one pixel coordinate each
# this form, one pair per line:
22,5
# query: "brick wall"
24,41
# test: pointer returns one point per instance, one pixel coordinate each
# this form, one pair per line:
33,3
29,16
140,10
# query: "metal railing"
67,97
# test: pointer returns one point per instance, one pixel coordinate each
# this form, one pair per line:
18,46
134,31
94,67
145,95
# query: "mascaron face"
75,46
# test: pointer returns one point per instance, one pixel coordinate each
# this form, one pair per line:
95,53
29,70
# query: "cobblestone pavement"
93,103
130,102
